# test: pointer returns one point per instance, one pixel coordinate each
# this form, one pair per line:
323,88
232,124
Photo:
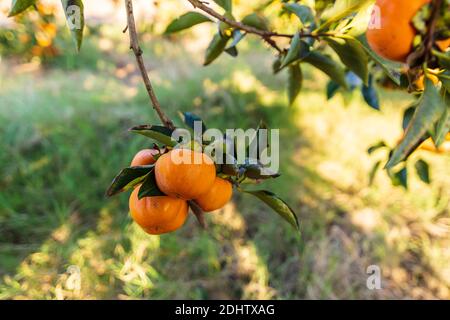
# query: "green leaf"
256,21
278,205
370,94
444,59
392,69
276,65
215,48
332,89
423,171
186,21
429,110
128,178
408,115
295,79
74,11
399,178
328,66
149,188
257,171
373,172
304,13
158,133
442,128
360,21
445,79
352,54
376,146
298,50
19,6
342,9
226,4
190,118
237,37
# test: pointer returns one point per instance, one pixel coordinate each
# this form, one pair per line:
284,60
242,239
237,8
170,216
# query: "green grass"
64,137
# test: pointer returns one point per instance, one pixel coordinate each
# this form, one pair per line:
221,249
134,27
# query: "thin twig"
429,38
134,45
238,25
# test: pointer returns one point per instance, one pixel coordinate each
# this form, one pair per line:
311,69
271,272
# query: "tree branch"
134,45
429,38
238,25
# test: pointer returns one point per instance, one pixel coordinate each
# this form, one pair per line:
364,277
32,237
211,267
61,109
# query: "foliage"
330,36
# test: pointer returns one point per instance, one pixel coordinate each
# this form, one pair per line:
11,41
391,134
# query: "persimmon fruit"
393,40
185,174
159,214
144,157
217,196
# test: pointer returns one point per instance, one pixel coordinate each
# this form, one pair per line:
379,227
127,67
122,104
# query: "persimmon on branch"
137,50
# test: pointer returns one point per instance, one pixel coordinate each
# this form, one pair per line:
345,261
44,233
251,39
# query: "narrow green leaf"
399,178
360,21
342,9
237,37
444,59
408,115
258,172
278,205
256,21
295,79
215,48
149,188
304,13
430,109
328,66
392,69
74,11
370,94
128,178
373,172
423,171
442,128
376,146
332,89
186,21
226,4
352,54
298,50
190,118
158,133
19,6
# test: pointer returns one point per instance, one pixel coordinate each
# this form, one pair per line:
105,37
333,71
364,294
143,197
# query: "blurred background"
63,137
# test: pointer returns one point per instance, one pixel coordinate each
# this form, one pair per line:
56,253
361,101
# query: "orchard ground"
63,136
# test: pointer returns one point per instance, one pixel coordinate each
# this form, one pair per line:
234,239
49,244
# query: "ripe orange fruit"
185,174
157,215
394,39
144,157
217,196
443,44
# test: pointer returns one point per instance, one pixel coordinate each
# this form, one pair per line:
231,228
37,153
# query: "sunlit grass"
63,138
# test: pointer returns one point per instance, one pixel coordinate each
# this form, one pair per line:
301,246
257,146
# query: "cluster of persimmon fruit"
193,179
